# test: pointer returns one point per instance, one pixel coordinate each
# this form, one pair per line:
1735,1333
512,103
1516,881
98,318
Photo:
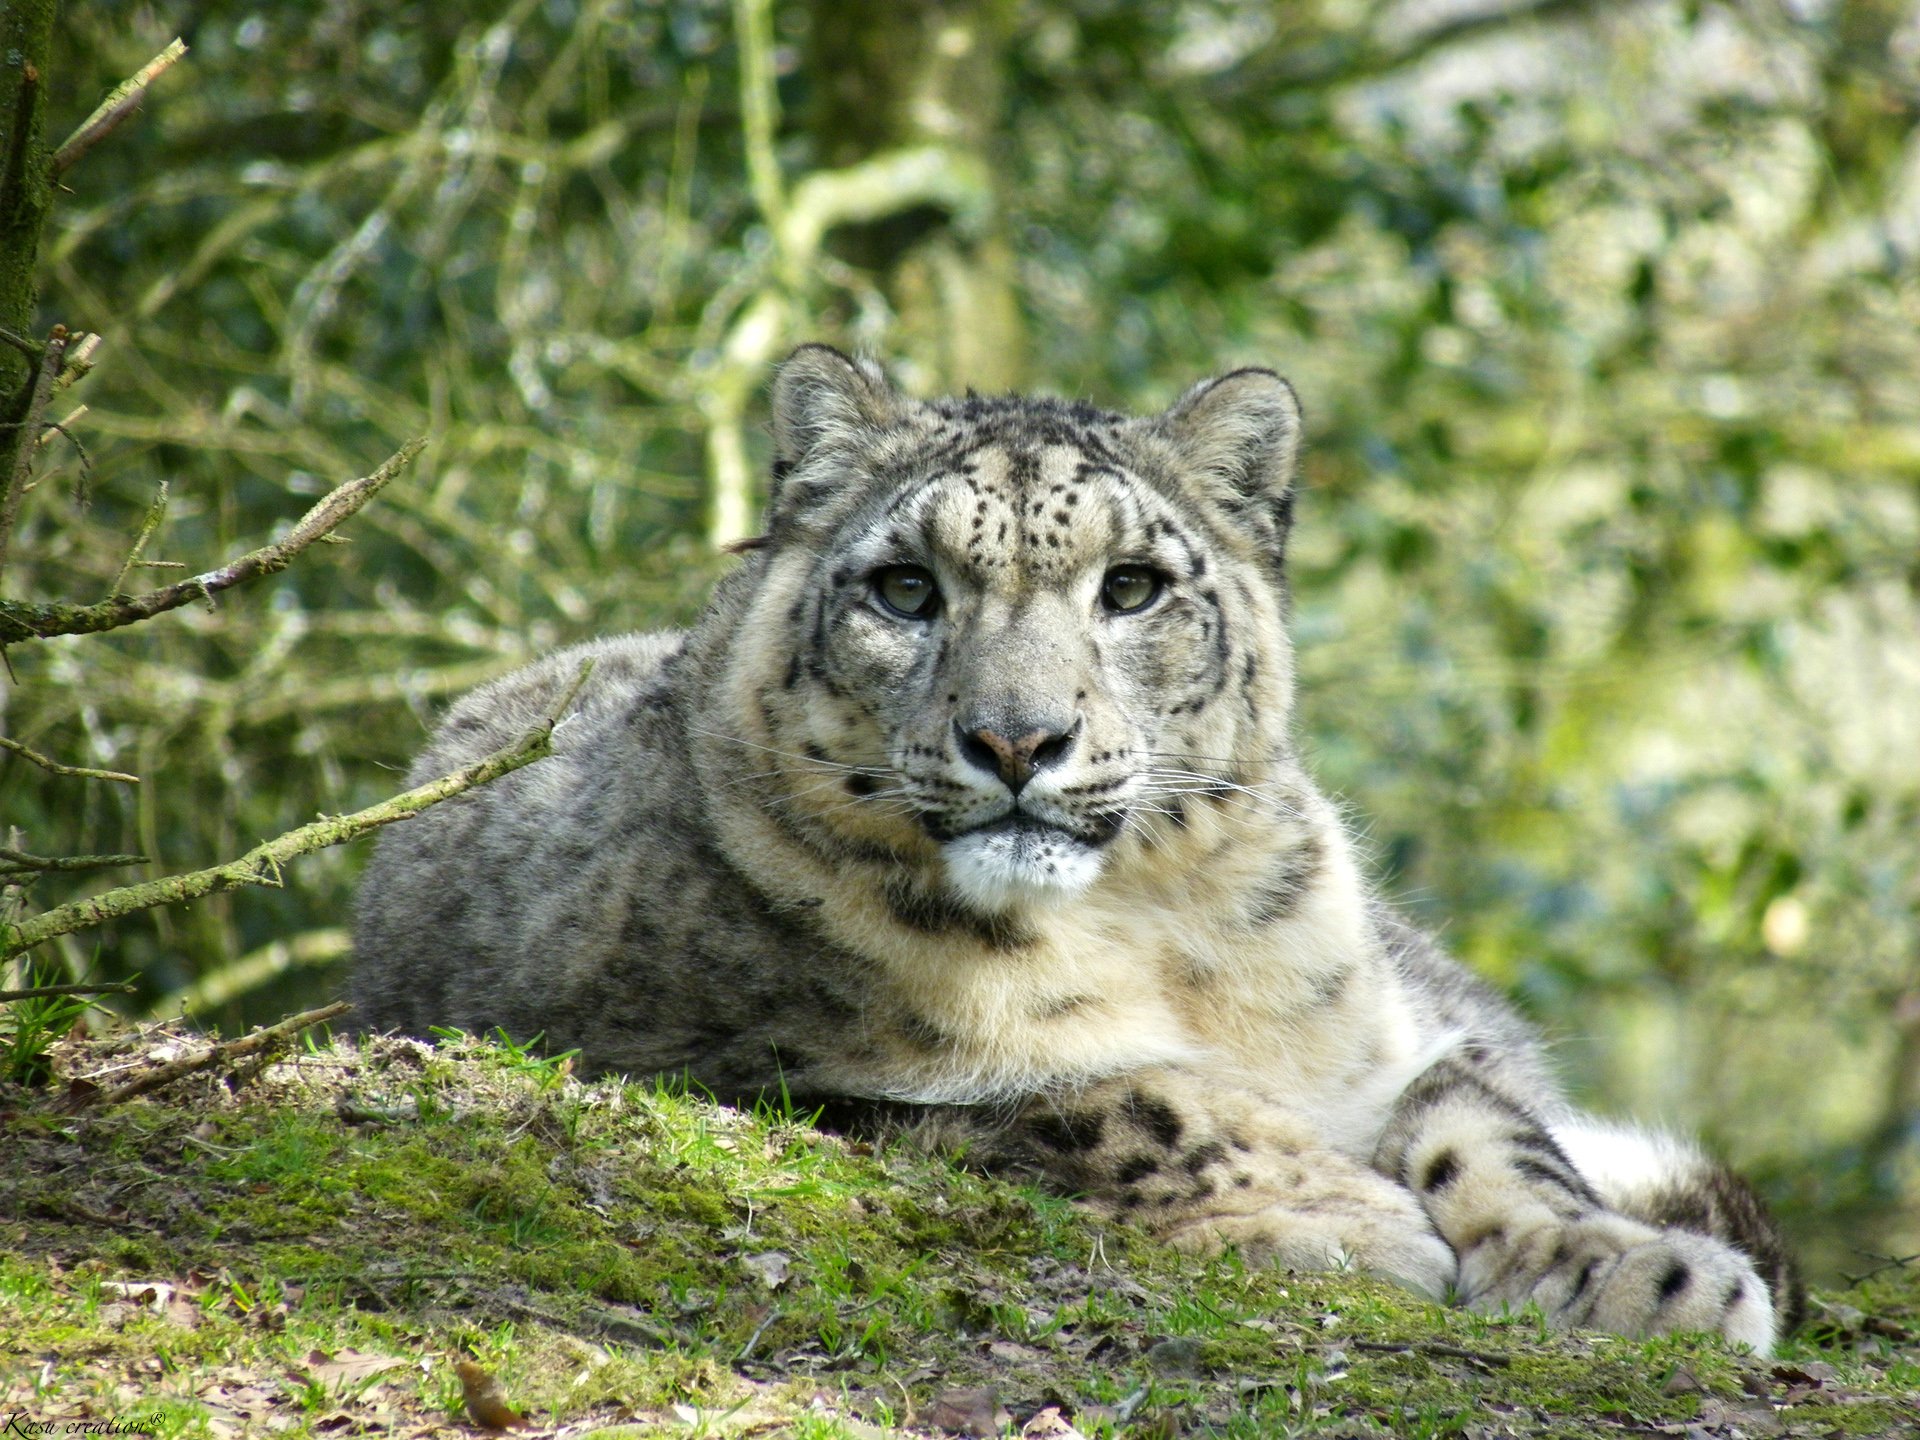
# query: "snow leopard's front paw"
1607,1272
1389,1239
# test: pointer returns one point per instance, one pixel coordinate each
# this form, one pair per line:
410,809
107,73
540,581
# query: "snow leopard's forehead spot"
1034,507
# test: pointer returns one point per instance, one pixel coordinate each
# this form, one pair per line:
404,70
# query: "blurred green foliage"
1607,319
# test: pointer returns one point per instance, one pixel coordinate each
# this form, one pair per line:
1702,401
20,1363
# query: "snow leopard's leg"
1507,1190
1203,1165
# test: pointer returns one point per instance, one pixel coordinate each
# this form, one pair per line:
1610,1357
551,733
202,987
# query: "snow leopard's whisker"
1206,778
749,777
788,754
1267,789
897,805
1238,762
1256,803
1262,798
898,795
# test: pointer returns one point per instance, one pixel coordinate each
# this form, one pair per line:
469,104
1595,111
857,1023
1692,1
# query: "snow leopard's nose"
1015,760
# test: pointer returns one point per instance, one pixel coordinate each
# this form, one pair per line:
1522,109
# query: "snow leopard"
975,797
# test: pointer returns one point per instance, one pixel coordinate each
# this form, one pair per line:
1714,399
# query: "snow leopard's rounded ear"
1238,439
823,401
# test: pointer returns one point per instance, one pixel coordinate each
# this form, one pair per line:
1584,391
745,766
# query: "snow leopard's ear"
823,402
1238,439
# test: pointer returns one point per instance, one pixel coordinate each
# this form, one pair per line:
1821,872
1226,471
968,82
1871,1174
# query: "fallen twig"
1887,1262
261,865
20,620
1429,1347
216,1054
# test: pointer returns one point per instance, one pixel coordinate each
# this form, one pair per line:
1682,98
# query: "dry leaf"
347,1368
974,1412
770,1266
1050,1424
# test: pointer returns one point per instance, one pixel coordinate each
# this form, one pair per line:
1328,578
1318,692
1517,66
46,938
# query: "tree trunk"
26,34
889,76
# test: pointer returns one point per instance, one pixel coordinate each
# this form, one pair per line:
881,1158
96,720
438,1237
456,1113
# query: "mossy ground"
310,1253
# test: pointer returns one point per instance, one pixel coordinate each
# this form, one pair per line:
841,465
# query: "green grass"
617,1255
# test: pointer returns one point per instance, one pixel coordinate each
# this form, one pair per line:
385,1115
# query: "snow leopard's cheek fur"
1139,707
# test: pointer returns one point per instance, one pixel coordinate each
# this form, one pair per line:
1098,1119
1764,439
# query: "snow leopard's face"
1027,634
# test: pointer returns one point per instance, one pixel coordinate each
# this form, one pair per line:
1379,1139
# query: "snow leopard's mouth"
1023,826
1020,859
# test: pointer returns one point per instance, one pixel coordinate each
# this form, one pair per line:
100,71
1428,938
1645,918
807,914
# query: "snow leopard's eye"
908,591
1130,587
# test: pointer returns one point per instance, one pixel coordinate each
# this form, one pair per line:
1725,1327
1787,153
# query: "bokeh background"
1606,316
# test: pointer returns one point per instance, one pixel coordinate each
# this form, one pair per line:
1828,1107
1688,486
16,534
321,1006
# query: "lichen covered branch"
124,99
261,865
54,767
21,620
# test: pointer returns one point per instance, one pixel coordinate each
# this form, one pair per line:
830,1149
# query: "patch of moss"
610,1250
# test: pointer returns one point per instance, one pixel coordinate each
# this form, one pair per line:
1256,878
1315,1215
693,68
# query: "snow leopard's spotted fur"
975,791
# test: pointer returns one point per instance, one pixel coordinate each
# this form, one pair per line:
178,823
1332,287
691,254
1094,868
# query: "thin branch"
886,184
122,102
155,513
217,1054
19,862
84,772
254,969
16,487
1889,1262
20,620
62,427
30,348
1350,59
82,351
261,865
121,987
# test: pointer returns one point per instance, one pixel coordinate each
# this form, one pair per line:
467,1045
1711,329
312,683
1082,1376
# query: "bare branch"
16,486
19,862
1361,55
120,103
155,513
255,969
20,620
760,108
216,1054
82,351
886,184
61,427
261,865
120,987
82,771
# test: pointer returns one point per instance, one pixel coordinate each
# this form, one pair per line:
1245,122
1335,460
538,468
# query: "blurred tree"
888,77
